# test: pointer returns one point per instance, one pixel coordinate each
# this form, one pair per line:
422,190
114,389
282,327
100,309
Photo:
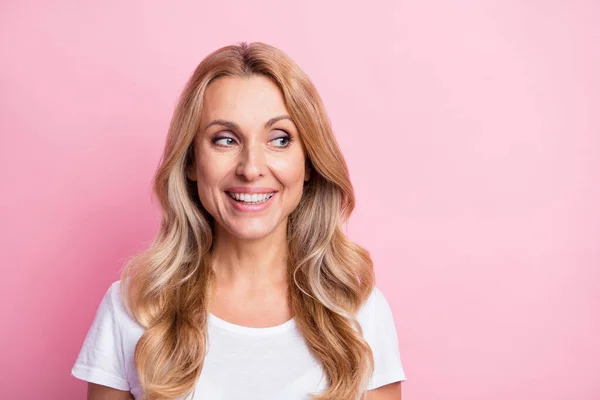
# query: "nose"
252,161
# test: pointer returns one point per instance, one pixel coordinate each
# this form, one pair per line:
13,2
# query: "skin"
250,249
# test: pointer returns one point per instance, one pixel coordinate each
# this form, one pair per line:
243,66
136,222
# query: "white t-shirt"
241,362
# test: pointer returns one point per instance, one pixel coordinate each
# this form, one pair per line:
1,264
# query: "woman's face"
250,163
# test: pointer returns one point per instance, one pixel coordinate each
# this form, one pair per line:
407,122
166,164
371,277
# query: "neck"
249,264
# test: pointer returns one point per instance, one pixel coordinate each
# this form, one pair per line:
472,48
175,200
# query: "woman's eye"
282,141
224,141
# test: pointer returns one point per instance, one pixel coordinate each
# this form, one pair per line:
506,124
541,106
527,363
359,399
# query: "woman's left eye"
229,141
283,141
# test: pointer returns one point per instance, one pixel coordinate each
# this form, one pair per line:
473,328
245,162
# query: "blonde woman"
250,290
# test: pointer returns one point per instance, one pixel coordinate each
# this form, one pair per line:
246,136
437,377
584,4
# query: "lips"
262,203
250,189
251,198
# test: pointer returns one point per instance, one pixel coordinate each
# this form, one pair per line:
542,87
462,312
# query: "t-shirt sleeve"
380,332
101,359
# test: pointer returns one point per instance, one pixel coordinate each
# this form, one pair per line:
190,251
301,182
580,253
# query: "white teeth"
254,198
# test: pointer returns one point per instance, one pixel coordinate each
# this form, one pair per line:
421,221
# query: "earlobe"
191,173
190,170
307,171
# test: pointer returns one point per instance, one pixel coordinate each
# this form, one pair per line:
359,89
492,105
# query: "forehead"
243,99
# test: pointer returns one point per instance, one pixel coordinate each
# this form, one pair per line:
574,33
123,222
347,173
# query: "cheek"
212,169
210,173
290,171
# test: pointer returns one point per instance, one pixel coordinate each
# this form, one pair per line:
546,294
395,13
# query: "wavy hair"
166,287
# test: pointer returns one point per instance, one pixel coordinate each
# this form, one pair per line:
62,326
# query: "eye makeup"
220,137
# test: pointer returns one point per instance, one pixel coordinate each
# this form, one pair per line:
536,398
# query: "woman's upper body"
250,289
241,362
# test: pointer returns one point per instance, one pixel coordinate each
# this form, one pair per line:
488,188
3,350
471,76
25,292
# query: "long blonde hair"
166,286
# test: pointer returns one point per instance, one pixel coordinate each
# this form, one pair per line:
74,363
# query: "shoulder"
379,330
115,297
375,309
106,356
114,302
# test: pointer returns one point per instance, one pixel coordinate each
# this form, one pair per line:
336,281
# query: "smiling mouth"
247,198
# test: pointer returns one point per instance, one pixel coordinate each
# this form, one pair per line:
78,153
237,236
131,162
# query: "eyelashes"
228,141
287,144
220,138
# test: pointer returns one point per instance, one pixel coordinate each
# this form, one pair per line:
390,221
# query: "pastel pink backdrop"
471,130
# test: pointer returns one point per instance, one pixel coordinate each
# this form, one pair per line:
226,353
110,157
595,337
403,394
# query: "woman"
250,289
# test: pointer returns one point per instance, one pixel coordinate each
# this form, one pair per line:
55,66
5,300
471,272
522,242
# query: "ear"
307,170
191,172
190,169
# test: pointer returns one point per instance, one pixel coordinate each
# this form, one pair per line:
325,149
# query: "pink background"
472,133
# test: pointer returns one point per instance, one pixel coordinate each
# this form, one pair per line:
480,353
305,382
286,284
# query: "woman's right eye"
224,141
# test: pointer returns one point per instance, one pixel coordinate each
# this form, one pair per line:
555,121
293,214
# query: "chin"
251,231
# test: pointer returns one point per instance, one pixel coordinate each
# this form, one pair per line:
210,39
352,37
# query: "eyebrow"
234,126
